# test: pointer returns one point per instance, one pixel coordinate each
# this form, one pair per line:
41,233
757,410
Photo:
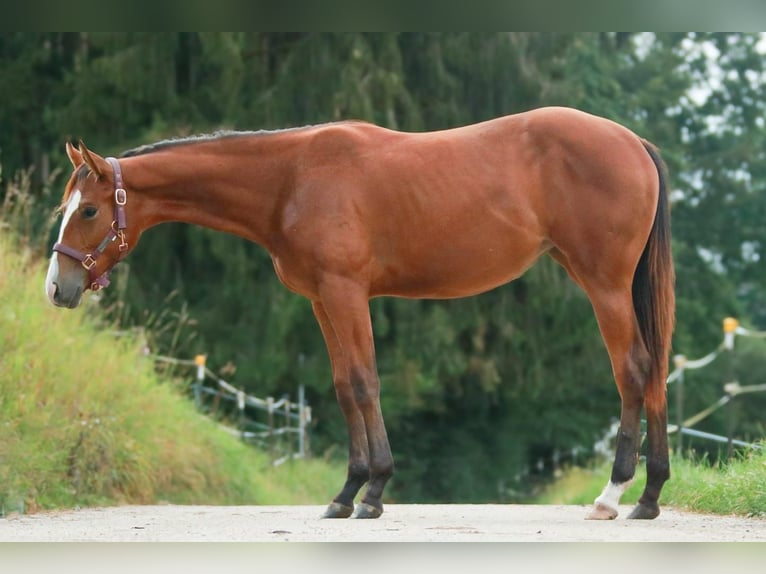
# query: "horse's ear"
95,162
74,155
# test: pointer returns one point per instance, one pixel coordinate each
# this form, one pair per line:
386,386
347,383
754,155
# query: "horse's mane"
202,138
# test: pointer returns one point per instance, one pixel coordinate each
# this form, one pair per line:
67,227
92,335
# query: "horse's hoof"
338,510
645,512
364,510
602,512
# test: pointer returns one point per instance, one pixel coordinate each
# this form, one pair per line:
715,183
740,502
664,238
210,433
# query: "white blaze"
53,266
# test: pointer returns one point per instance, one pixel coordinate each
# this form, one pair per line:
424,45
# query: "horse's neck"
232,186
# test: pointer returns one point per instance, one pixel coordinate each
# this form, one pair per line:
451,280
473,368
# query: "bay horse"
349,211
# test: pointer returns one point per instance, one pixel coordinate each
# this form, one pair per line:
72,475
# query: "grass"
85,420
736,487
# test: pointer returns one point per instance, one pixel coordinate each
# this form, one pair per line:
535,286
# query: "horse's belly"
451,273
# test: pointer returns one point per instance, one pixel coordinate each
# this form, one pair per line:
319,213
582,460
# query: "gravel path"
399,523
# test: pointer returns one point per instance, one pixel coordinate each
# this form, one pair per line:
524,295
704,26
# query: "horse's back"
540,156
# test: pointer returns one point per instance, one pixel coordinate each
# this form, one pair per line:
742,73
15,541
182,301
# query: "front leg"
344,306
342,505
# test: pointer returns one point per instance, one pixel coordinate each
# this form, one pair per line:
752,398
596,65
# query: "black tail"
654,290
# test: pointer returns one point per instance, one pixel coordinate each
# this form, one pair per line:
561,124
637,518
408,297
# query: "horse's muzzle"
64,298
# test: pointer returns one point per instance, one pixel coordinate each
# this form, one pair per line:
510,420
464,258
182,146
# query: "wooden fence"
731,389
278,425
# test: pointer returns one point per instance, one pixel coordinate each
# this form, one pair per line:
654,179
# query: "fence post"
730,325
199,360
241,407
301,422
287,429
270,405
680,361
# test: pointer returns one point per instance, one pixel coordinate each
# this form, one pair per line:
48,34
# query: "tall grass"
85,420
734,487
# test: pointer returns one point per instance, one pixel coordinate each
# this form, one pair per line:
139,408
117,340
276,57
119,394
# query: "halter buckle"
120,196
123,244
88,262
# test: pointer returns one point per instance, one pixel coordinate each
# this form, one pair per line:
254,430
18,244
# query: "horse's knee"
345,395
365,386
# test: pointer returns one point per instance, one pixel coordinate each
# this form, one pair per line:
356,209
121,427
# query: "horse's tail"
654,291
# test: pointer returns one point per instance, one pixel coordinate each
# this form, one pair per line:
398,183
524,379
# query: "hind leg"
630,364
630,361
657,463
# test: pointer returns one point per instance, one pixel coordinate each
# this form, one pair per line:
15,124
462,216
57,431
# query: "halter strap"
120,195
116,230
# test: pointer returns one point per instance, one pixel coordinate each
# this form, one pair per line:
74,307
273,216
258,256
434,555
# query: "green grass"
85,420
736,487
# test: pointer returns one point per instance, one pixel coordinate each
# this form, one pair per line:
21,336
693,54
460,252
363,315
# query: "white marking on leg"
610,496
53,266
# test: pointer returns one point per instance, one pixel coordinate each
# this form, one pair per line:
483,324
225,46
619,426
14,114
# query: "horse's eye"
89,212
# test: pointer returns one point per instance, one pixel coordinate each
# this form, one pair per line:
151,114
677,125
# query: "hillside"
84,420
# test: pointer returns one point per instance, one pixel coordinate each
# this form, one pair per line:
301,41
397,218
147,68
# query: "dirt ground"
399,523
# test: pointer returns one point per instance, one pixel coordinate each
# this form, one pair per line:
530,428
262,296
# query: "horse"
349,211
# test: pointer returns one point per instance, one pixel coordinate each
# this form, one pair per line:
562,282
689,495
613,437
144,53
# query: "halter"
116,230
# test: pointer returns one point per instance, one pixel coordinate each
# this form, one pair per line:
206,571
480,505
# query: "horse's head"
94,232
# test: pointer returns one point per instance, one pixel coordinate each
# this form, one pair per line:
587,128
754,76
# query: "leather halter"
116,230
